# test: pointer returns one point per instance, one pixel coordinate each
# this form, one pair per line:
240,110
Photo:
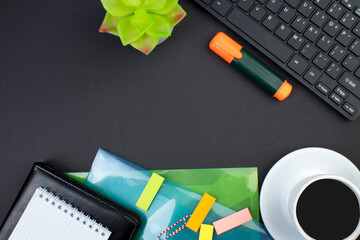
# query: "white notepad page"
47,217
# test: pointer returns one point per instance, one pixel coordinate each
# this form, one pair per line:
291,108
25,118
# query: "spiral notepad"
47,216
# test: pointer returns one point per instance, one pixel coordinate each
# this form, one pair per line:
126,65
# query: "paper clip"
200,213
206,232
232,221
172,226
150,191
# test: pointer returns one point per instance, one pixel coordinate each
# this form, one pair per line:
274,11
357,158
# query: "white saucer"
286,173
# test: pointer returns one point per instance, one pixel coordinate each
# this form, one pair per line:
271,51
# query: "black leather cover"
122,222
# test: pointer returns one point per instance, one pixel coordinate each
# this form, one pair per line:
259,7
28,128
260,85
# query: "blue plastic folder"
123,182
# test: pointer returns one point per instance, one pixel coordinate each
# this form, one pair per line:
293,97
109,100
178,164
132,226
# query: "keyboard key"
260,35
355,47
262,1
349,108
258,13
348,20
350,83
286,14
322,3
334,70
345,37
312,33
299,24
312,75
337,53
319,19
325,43
296,41
332,28
348,4
356,30
336,10
357,73
306,8
207,1
270,22
293,3
341,92
274,5
283,32
357,12
221,6
350,62
298,64
321,60
323,88
245,4
308,51
336,98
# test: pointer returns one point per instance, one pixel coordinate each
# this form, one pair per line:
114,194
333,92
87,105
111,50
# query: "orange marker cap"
284,91
225,47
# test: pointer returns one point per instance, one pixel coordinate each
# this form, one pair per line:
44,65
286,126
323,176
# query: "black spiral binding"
73,212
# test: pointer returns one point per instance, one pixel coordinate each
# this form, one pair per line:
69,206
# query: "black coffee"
328,209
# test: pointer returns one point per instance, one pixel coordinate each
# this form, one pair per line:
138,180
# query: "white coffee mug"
299,188
288,179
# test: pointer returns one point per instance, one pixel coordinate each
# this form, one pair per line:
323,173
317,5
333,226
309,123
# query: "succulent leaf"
117,8
127,33
154,4
132,3
175,16
167,8
145,44
109,24
142,21
161,28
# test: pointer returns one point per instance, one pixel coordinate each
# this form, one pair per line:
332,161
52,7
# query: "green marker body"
262,75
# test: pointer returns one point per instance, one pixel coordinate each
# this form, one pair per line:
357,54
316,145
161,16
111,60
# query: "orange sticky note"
200,213
232,221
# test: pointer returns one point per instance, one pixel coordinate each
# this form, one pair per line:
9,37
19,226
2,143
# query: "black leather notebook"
51,205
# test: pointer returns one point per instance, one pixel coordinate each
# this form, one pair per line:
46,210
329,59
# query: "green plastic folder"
235,188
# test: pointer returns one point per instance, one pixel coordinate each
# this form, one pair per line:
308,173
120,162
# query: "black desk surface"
66,90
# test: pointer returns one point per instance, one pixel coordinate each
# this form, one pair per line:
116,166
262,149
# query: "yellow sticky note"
200,213
206,232
150,191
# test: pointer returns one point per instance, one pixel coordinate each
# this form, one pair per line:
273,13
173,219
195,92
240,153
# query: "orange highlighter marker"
237,56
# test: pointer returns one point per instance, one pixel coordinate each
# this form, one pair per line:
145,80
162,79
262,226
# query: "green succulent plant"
141,23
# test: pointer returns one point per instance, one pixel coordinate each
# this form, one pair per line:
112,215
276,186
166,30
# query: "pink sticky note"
232,221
